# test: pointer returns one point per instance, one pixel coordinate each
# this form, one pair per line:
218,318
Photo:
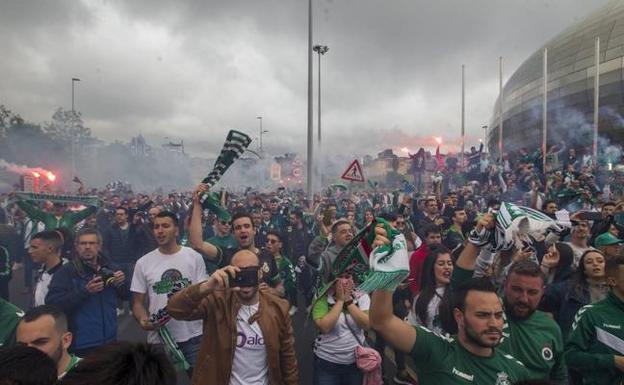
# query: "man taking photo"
248,333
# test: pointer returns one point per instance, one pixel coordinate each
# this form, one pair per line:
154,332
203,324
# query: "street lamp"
74,80
485,143
261,132
320,50
73,130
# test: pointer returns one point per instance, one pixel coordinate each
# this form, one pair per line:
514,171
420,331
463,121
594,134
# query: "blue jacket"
92,317
564,300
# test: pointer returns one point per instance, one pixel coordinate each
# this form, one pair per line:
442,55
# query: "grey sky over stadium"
192,70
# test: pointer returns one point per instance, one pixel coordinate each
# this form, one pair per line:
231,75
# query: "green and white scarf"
58,198
382,268
234,146
516,225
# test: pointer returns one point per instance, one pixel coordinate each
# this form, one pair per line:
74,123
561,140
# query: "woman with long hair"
588,285
435,281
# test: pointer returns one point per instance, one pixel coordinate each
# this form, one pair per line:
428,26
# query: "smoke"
24,170
571,128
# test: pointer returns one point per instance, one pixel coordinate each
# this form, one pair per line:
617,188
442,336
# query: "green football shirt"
537,342
444,361
598,335
10,316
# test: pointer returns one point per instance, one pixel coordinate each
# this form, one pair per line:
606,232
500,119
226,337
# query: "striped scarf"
234,146
371,269
517,225
58,198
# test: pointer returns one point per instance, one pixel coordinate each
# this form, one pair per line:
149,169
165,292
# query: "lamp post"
74,80
73,131
485,143
320,50
310,158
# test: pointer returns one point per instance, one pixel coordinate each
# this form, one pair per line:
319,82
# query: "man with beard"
159,274
529,335
470,357
244,234
253,317
45,328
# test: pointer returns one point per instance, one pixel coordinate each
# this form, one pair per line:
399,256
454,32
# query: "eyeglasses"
272,241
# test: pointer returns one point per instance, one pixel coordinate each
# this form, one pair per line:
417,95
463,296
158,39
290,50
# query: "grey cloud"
193,69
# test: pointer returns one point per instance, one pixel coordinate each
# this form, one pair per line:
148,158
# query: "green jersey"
597,336
10,315
443,360
286,272
69,219
537,341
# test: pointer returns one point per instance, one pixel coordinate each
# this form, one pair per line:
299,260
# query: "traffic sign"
353,173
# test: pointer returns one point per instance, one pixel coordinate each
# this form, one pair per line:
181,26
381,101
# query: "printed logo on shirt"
265,268
242,340
502,378
467,377
610,326
171,281
547,352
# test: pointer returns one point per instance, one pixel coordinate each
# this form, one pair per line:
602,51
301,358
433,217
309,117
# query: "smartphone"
246,277
590,216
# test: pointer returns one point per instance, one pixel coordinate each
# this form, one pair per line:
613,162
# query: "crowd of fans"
216,292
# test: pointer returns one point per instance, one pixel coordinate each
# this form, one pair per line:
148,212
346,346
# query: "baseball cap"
607,239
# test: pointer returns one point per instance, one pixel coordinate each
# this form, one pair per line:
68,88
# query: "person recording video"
233,300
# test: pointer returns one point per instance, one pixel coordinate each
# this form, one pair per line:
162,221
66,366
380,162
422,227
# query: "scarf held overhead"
235,145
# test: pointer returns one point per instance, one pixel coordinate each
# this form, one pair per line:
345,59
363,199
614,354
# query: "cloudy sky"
191,70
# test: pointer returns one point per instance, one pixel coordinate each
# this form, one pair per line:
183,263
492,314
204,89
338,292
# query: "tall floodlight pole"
500,107
545,111
310,118
260,136
320,50
74,80
596,104
485,143
72,132
463,115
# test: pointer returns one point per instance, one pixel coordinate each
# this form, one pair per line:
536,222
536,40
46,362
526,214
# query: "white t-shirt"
44,277
338,346
432,322
249,366
157,274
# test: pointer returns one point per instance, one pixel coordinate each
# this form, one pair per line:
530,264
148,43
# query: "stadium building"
571,71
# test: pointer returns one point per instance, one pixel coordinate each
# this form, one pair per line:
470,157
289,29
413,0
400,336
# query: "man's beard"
512,310
247,296
58,353
479,339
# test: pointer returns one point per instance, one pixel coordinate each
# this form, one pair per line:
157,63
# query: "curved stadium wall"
571,71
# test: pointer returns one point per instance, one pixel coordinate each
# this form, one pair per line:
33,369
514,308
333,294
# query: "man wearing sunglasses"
233,307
